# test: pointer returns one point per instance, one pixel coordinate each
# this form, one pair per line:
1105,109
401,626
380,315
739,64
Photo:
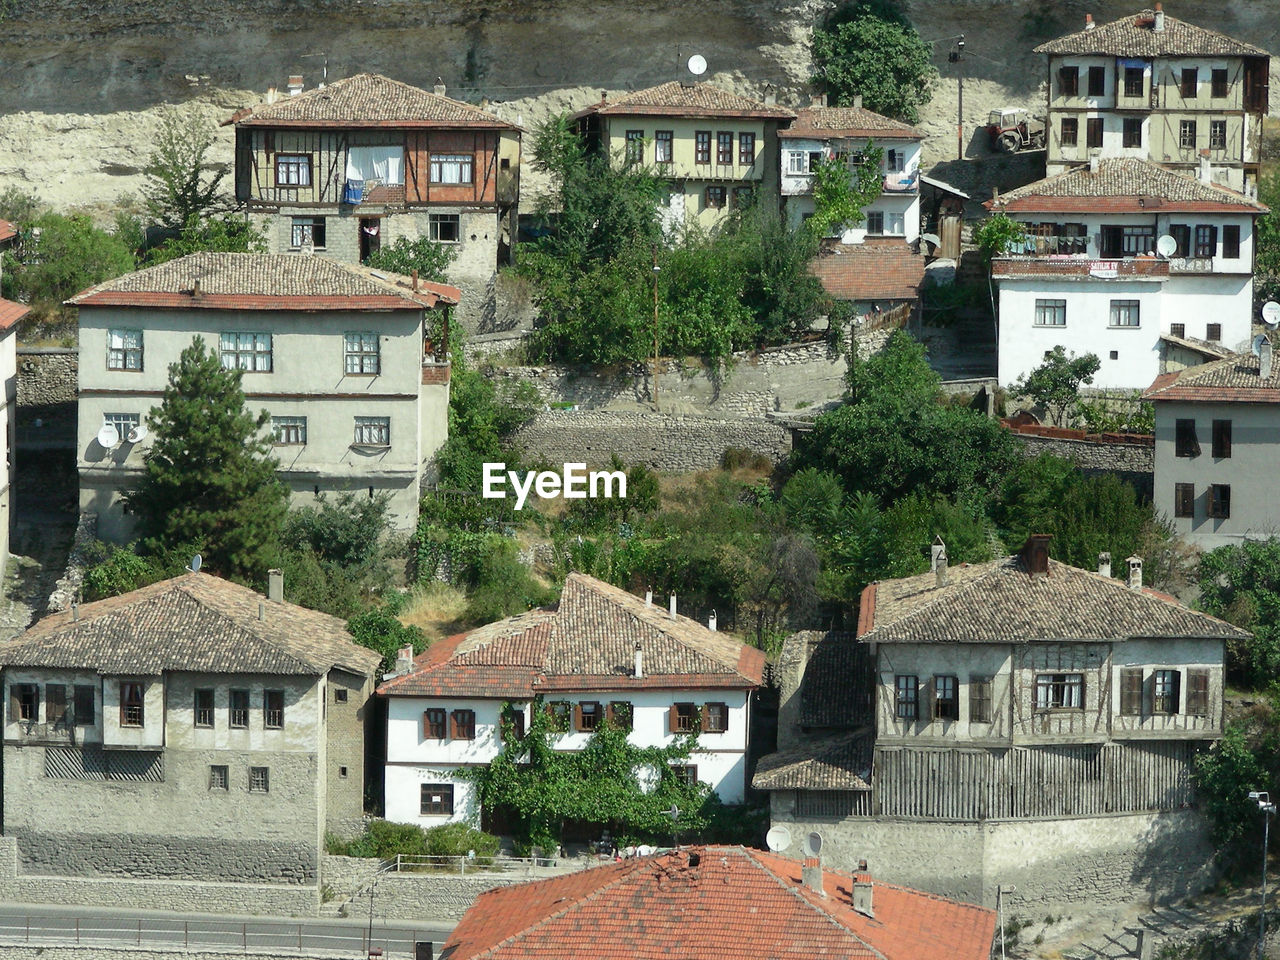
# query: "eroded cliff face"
84,80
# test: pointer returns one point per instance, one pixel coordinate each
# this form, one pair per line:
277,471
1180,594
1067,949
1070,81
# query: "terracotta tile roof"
1135,36
1233,379
724,902
1061,266
879,268
586,643
1123,185
998,602
823,123
368,100
11,313
260,281
838,762
839,679
676,99
193,622
7,230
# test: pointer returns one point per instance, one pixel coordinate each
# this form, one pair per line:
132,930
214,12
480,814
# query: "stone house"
341,357
1222,491
714,148
600,652
733,903
190,729
350,166
1153,87
1018,722
1090,276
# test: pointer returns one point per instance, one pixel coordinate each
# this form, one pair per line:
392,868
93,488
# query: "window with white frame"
373,431
241,350
124,423
289,431
361,352
124,349
1051,313
307,232
797,162
452,168
293,170
444,227
662,146
1060,691
895,161
1126,313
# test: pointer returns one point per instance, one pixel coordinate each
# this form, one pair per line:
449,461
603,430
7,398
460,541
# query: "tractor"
1013,129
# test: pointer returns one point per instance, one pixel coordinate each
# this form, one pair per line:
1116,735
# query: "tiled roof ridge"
1108,165
942,593
1102,31
1189,376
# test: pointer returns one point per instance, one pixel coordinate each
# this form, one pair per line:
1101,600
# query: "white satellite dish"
813,844
196,563
138,433
778,838
697,64
1166,246
1258,341
1271,313
108,436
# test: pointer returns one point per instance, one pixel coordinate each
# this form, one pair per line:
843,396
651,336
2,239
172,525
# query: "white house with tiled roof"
1059,709
1089,277
715,148
342,358
142,733
1154,87
600,653
347,167
1217,446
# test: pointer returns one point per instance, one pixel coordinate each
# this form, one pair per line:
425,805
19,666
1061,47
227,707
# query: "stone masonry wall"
46,415
100,952
1132,459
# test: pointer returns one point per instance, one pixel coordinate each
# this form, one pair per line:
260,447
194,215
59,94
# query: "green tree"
229,233
178,187
1266,262
997,235
1241,584
378,629
62,256
429,258
868,49
483,419
1223,778
209,479
18,206
1055,384
842,189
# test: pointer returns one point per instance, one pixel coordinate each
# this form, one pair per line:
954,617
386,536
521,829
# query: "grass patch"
437,609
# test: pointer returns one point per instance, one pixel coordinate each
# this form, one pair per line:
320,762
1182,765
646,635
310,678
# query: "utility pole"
956,57
656,270
1268,810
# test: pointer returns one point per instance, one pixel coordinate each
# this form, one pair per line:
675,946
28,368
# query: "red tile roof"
1234,379
368,100
676,99
1136,36
11,313
7,230
823,123
879,268
727,903
587,642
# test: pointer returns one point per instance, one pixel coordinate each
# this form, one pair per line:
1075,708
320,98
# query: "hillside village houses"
1091,278
715,148
1151,86
1019,721
1217,448
347,167
601,652
191,729
337,353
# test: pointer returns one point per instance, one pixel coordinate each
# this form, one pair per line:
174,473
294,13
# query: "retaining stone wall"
345,875
661,441
435,896
46,414
1130,460
98,952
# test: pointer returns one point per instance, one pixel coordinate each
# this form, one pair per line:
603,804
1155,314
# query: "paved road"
44,924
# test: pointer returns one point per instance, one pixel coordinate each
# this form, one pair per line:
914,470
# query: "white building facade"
1089,276
445,713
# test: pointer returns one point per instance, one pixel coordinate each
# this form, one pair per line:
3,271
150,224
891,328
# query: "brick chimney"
295,85
862,891
1135,573
404,660
1088,21
1035,554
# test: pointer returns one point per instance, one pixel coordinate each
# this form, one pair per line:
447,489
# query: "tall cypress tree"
209,480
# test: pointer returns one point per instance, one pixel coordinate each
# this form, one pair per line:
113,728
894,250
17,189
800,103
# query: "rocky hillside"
84,79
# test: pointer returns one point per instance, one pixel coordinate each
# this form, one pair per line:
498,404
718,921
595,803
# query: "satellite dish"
1258,341
138,433
196,562
697,64
1271,313
1166,246
778,838
108,436
813,844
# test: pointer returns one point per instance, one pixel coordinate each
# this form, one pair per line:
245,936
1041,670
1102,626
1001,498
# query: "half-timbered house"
347,168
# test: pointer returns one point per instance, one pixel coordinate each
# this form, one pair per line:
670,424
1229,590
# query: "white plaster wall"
302,722
925,661
1181,655
151,733
9,379
84,733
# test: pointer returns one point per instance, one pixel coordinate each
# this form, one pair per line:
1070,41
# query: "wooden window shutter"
56,697
577,716
673,719
724,717
924,700
15,699
1176,692
426,725
704,717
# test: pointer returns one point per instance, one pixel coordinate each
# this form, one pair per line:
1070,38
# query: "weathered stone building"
1016,722
192,729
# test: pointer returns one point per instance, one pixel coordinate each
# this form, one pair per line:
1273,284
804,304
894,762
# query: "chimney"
648,598
1205,175
862,891
295,85
404,660
771,99
818,100
995,196
1093,165
639,673
1264,358
940,571
1104,563
1088,21
938,549
1035,554
195,290
414,275
1135,573
811,875
275,585
711,621
673,606
272,95
262,610
439,87
1159,26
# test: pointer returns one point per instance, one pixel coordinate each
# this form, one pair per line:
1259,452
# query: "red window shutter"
704,717
426,725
